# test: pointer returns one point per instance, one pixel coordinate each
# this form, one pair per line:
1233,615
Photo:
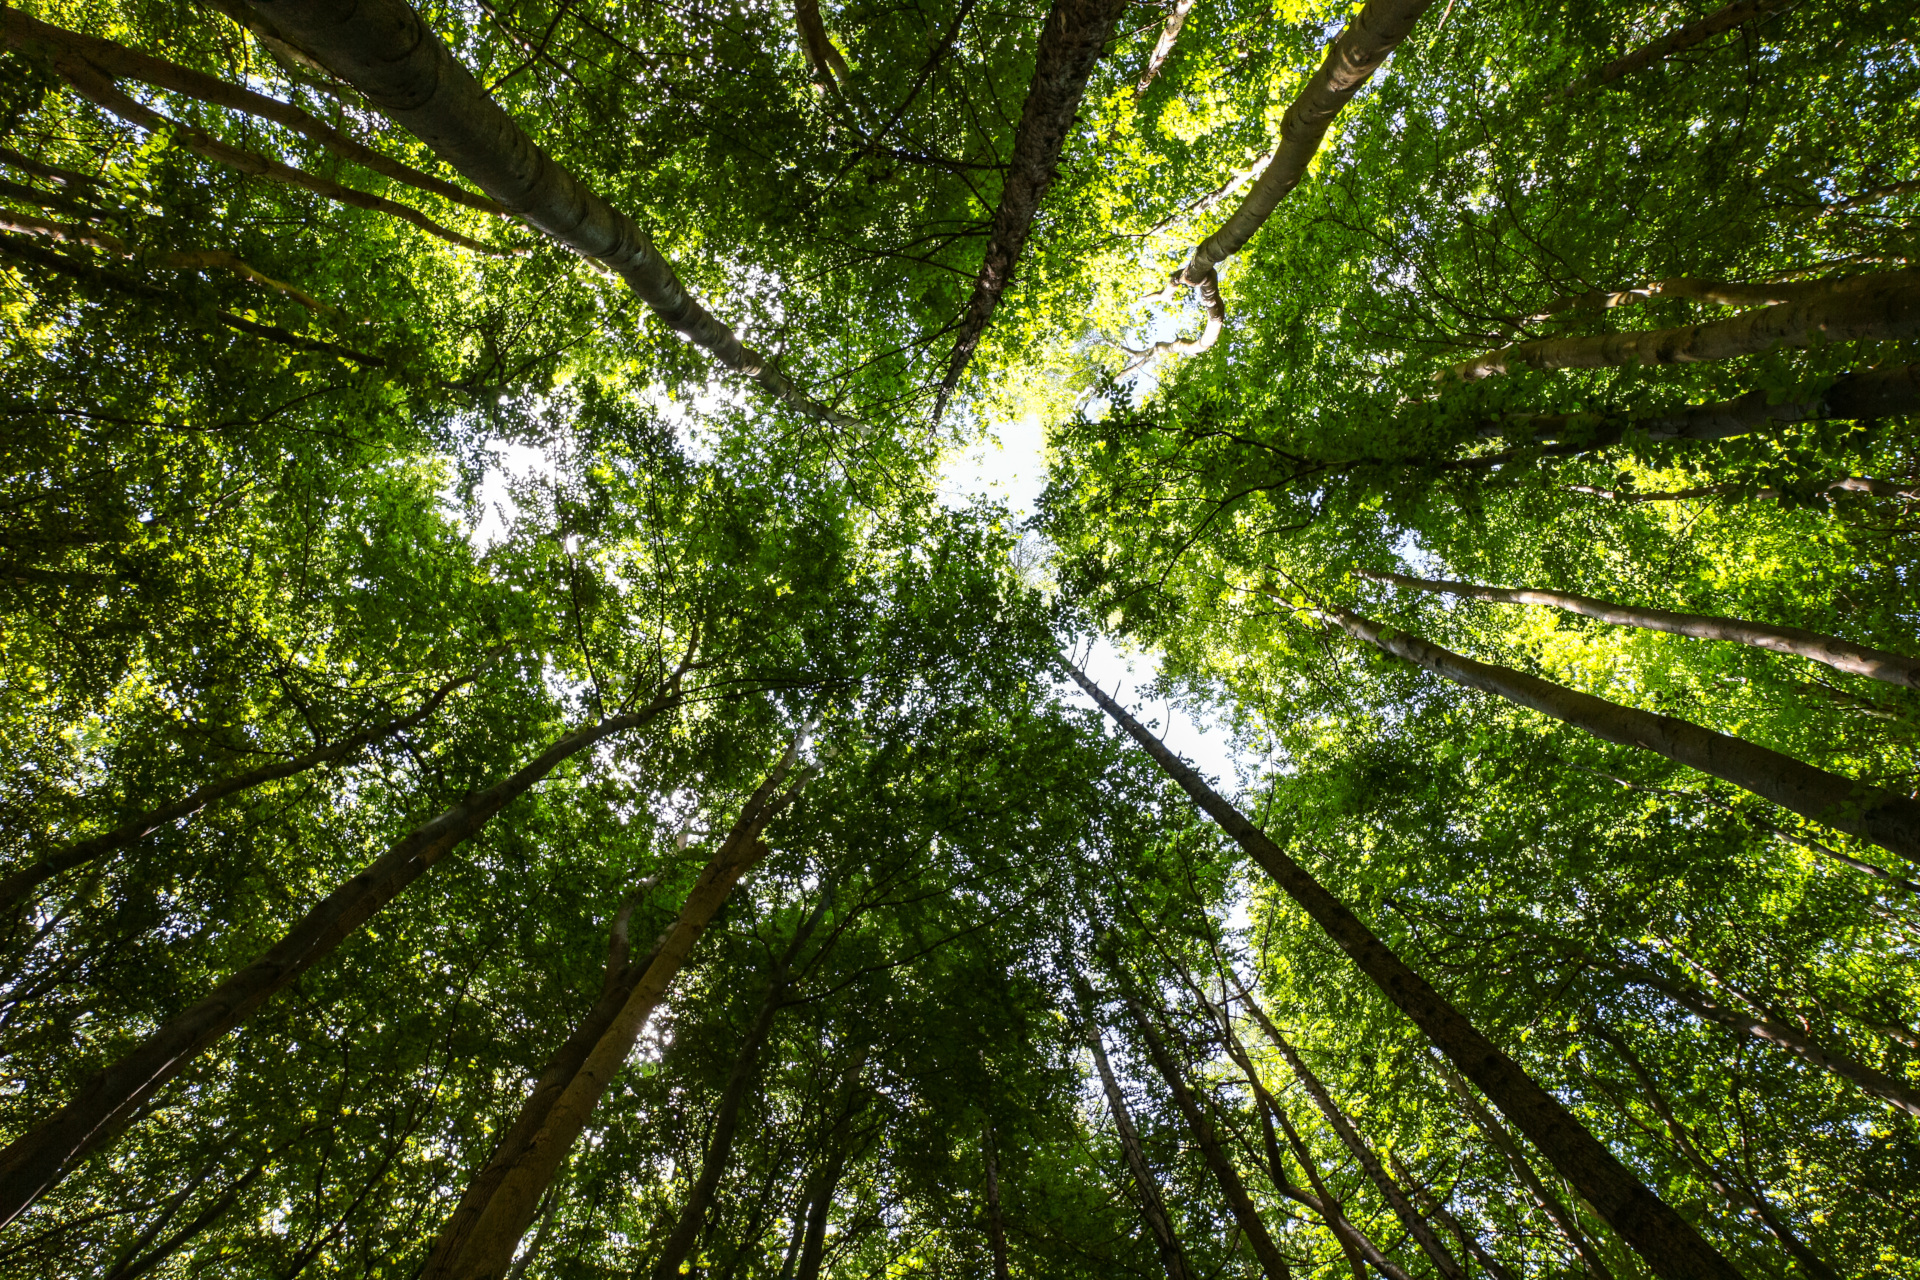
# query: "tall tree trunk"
1841,655
1870,393
1435,1208
1245,1212
1523,1170
1410,1217
120,62
1859,809
1672,1249
479,1238
829,68
693,1215
1882,307
1741,1197
813,1244
996,1223
1169,35
1153,1206
1075,34
1351,60
1771,1031
383,49
38,1159
1735,15
84,851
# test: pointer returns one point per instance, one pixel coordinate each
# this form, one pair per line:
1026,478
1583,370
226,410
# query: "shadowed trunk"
383,49
1734,15
37,1160
1431,1203
1883,307
1152,1206
1841,655
1672,1249
813,1243
1410,1218
1774,1031
499,1204
120,62
1231,1188
1072,40
996,1224
84,851
1890,821
726,1123
1523,1170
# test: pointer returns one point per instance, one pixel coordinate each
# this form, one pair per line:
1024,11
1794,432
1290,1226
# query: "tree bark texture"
121,62
1245,1212
1888,820
1523,1170
1734,15
84,851
1351,61
1410,1218
1169,36
1882,307
1153,1206
37,1159
383,49
1841,655
499,1204
726,1120
1773,1031
1673,1250
1075,34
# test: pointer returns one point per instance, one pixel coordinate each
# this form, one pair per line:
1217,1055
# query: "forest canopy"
709,847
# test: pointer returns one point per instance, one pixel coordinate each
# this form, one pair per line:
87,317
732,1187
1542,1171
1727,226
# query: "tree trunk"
813,1244
1075,34
1771,1031
1734,15
1883,307
1841,655
1523,1170
1350,62
1888,820
120,62
1870,393
1245,1212
996,1224
829,68
1736,1195
1410,1217
1152,1206
693,1215
1436,1209
1672,1249
479,1239
36,1160
1162,47
383,49
85,851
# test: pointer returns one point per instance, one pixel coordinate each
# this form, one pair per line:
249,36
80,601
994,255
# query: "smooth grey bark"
1153,1206
1671,1247
120,62
1841,655
479,1238
39,1158
1523,1170
386,52
1713,292
1245,1212
1882,307
1774,1031
1410,1218
1351,60
1735,15
84,851
733,1095
1075,35
1888,820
